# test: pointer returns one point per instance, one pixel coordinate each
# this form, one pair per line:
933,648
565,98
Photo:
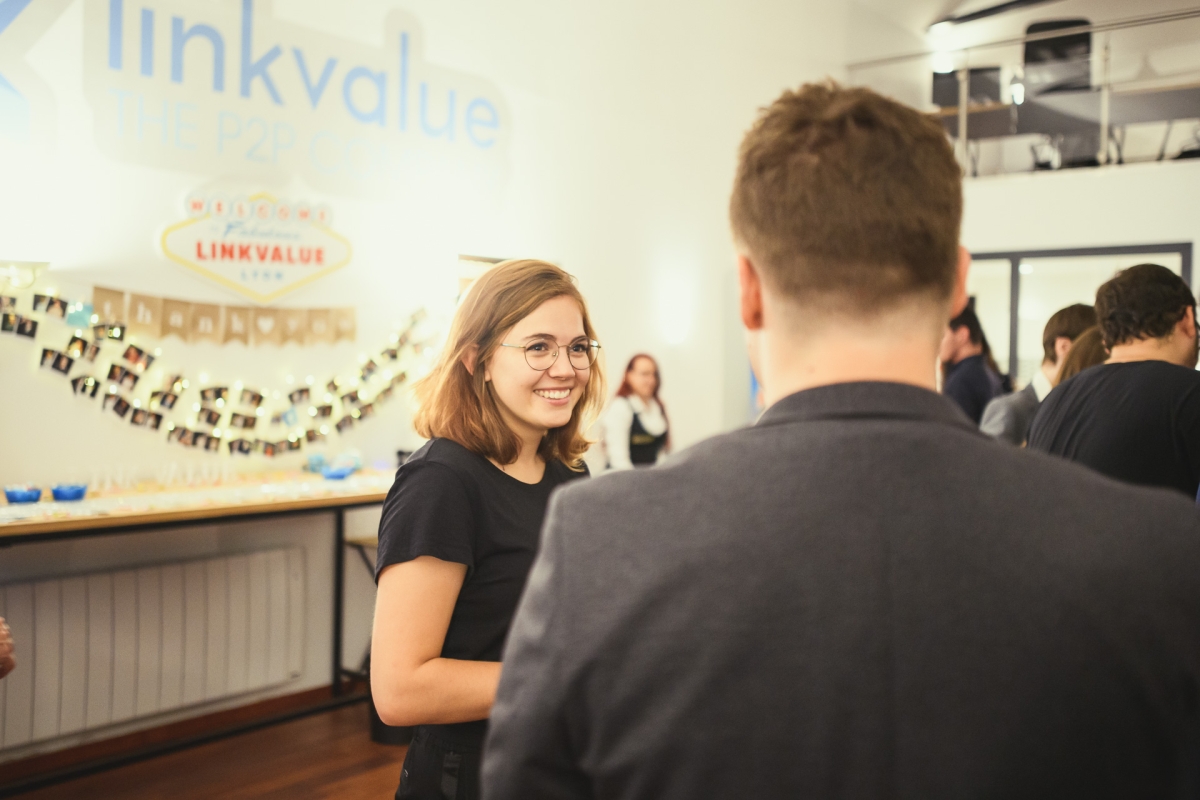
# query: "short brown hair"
1067,322
1143,302
845,196
459,405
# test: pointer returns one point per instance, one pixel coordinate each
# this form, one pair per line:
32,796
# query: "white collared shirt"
1041,384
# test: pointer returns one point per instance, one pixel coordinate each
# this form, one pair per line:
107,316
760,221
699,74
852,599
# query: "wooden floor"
328,755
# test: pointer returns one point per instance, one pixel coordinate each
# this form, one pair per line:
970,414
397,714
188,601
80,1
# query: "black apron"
644,448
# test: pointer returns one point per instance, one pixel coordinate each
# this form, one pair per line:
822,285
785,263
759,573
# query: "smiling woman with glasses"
505,409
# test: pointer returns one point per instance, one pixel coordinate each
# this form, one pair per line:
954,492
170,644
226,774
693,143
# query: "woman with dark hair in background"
971,378
1086,351
636,428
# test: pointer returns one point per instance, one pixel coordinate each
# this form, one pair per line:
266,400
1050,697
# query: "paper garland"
246,407
160,317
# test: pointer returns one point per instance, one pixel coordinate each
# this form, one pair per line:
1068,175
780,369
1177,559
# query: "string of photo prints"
224,415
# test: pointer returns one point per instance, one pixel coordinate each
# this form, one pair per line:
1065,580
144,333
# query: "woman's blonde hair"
458,405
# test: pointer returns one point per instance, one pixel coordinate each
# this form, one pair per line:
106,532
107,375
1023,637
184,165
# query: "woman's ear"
470,358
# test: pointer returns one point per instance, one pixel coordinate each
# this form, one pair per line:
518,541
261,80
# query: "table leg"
339,588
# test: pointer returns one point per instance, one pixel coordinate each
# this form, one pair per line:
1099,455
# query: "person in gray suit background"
1009,417
859,596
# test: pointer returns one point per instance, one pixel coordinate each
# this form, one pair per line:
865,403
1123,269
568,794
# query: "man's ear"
958,295
1186,327
1062,346
750,291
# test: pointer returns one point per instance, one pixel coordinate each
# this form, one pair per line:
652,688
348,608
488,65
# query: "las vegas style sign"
260,246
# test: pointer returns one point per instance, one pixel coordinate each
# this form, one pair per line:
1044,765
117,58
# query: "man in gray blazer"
1010,416
860,596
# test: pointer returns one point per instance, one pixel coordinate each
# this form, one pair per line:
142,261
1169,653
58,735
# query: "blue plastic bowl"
66,492
22,494
337,473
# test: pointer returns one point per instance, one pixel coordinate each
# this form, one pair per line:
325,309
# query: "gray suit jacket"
1010,416
859,597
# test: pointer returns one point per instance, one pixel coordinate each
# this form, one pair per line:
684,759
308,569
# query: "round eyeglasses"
540,354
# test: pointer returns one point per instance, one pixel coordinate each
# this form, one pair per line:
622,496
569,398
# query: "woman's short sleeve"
427,513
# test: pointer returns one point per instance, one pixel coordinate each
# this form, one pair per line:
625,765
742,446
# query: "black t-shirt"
972,384
453,504
1137,422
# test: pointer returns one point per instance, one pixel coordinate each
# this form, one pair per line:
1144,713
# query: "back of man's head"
848,201
968,319
1142,302
1066,323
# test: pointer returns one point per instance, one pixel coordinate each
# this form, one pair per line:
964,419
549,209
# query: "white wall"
1126,205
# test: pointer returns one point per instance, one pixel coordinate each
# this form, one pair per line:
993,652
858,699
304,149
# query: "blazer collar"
866,400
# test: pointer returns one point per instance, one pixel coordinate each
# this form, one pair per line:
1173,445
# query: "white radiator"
95,650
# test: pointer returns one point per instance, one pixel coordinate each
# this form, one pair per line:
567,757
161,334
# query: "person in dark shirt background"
971,378
1137,416
1010,416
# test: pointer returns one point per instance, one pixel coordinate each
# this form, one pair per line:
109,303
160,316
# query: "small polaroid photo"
186,437
344,423
200,439
154,421
324,411
76,347
99,332
245,422
292,444
332,387
109,399
214,393
173,434
48,356
173,384
165,399
129,380
133,353
313,435
84,385
399,379
8,321
92,351
392,353
351,398
251,398
144,362
366,411
27,327
139,416
269,449
386,394
121,406
7,304
63,363
40,301
299,396
213,444
241,446
56,307
209,416
277,418
116,332
369,368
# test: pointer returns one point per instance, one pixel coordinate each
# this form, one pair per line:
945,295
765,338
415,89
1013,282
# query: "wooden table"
281,495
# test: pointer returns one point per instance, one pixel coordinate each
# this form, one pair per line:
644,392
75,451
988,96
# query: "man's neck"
790,367
1145,350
